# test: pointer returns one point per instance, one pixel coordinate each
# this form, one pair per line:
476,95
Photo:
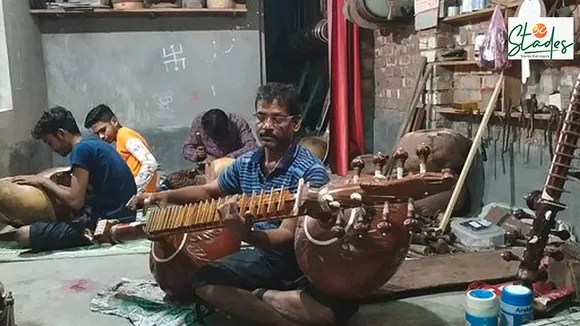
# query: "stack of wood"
427,241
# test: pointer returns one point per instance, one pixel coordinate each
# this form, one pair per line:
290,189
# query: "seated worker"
133,147
263,285
222,135
94,164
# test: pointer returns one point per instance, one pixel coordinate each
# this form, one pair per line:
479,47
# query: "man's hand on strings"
231,218
146,200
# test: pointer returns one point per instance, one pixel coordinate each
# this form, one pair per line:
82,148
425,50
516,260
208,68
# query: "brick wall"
396,58
545,80
397,55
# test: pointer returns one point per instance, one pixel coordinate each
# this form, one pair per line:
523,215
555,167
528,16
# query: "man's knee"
301,305
323,314
23,236
204,291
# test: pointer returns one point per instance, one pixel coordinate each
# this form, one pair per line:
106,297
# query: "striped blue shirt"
246,175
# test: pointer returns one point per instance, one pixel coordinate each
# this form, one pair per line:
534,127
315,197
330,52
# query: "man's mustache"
267,134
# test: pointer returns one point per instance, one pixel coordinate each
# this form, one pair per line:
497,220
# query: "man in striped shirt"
264,285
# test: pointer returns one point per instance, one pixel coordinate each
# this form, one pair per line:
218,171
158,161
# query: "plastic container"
479,39
476,233
221,4
517,305
481,308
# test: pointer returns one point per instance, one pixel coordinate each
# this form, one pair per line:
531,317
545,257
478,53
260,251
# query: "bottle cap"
481,299
517,295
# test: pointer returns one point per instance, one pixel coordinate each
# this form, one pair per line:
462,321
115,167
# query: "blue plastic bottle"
517,305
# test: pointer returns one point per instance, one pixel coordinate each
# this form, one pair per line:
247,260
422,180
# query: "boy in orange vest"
132,147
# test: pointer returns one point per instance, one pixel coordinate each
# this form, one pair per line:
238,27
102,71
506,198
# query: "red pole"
338,87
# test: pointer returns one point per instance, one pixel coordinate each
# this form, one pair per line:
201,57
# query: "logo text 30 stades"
545,38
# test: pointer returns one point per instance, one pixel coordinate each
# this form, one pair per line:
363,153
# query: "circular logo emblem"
540,30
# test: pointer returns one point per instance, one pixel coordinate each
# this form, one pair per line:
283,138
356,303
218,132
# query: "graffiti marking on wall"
174,58
164,101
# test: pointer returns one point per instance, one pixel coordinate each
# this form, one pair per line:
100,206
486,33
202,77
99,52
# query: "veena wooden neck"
274,205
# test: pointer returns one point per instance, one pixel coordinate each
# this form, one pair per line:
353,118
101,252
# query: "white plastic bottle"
481,308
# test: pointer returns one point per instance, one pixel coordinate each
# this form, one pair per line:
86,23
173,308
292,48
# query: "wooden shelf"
456,63
240,10
470,16
514,115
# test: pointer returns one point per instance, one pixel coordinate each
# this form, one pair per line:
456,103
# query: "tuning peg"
361,225
446,173
379,160
356,196
337,229
510,256
357,165
400,156
423,152
384,226
411,221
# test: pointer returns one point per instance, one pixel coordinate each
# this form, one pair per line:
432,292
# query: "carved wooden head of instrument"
370,232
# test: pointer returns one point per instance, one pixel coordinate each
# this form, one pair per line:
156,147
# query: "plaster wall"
22,90
156,74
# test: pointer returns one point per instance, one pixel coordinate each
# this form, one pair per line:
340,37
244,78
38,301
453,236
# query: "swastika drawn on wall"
174,58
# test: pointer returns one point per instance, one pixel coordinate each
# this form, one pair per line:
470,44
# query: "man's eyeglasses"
275,119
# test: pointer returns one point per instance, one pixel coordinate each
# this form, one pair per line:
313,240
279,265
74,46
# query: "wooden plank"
515,115
241,9
449,270
473,16
469,16
456,63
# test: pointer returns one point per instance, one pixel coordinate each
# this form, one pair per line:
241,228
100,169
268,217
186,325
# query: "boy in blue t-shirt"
94,164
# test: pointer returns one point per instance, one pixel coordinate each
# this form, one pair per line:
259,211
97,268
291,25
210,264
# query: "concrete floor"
58,293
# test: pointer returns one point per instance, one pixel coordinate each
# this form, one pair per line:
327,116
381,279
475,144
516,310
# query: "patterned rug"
142,302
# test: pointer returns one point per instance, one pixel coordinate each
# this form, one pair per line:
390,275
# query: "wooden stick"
471,156
419,249
426,71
